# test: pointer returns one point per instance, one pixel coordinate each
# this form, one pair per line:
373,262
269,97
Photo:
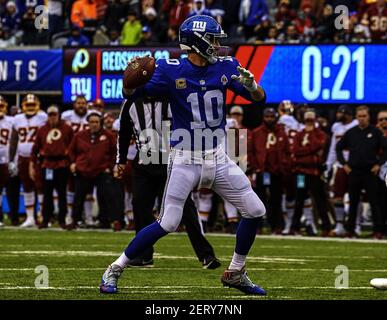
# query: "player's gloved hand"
12,169
246,78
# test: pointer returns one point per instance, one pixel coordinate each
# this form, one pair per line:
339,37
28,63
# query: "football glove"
245,78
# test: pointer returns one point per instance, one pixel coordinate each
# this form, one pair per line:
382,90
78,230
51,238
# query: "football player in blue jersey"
196,87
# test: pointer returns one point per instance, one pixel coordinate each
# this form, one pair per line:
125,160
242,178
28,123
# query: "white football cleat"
379,283
1,224
29,223
339,230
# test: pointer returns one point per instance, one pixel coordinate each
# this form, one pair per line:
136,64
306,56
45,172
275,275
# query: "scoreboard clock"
318,74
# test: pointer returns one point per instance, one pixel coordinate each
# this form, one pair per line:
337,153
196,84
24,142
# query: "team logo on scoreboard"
81,60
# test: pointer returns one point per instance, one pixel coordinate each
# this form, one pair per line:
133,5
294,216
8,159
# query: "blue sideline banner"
31,70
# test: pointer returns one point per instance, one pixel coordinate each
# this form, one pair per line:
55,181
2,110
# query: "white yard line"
138,289
268,237
200,269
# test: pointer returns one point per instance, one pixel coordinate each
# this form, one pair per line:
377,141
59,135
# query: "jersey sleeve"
234,85
156,86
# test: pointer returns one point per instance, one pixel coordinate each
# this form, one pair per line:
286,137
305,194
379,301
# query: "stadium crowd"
155,22
314,178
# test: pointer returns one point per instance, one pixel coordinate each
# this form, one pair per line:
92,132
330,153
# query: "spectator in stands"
251,13
269,155
291,36
176,11
114,38
199,8
308,150
77,38
261,30
216,9
157,26
173,36
305,22
230,18
28,26
83,10
284,16
115,15
375,17
11,18
272,35
2,7
146,38
55,16
132,30
367,150
325,28
6,39
360,34
92,154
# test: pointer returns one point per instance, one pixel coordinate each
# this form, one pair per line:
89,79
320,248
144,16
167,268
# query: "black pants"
59,183
314,187
148,184
108,202
368,181
13,194
273,200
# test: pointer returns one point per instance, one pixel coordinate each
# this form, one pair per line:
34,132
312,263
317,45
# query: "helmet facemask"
30,105
209,42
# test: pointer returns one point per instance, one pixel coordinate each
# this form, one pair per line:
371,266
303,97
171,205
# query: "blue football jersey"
197,96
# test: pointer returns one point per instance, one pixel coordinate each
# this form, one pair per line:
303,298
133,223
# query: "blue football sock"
145,239
245,235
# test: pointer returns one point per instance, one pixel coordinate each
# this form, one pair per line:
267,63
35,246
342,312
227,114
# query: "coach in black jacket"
149,178
367,152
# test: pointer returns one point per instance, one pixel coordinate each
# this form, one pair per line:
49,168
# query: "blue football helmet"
201,33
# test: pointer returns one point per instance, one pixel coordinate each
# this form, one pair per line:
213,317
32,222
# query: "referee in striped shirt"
149,178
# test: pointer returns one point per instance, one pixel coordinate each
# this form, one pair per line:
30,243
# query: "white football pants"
211,169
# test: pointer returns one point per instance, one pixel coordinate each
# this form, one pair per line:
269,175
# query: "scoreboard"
97,72
353,73
317,73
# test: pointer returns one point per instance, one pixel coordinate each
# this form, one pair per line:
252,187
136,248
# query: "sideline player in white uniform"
344,122
6,124
24,132
196,87
77,119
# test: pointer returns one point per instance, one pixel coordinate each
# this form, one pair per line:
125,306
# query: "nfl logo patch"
224,80
181,83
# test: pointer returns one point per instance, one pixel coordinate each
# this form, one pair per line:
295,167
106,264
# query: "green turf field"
288,268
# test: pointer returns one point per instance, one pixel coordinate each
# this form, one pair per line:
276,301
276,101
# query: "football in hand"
138,72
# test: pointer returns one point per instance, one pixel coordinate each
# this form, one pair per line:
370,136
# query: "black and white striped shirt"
135,117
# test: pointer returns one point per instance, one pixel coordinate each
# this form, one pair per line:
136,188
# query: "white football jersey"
338,131
6,124
27,129
76,122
